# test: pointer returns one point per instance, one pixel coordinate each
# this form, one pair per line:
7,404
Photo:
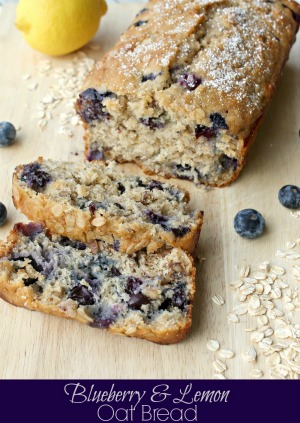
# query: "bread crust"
38,207
17,294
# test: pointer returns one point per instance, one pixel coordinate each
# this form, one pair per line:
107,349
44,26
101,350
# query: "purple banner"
50,401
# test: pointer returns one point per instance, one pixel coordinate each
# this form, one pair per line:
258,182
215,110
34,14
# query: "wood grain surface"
33,345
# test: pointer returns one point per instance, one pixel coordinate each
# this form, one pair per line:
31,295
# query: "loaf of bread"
184,90
147,296
87,202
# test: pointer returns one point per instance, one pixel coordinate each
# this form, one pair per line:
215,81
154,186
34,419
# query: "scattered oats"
39,115
251,329
250,355
275,293
259,275
247,289
42,123
266,341
265,266
295,214
274,359
283,332
280,253
282,284
269,332
64,130
254,302
262,320
33,86
290,245
236,284
75,120
278,270
257,312
259,288
244,272
219,366
242,297
240,309
218,299
219,376
26,76
232,317
94,46
290,306
256,336
213,345
48,99
287,299
226,354
249,280
256,373
267,289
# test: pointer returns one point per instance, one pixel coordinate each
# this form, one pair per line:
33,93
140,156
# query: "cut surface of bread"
184,90
87,202
144,295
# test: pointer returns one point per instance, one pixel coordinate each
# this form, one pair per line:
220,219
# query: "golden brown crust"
77,224
16,293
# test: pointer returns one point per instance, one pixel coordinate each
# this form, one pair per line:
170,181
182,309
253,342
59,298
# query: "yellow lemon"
59,27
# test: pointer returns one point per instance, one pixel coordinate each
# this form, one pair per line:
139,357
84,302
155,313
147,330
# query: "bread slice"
146,296
87,202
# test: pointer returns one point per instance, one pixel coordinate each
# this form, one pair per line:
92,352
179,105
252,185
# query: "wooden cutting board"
33,345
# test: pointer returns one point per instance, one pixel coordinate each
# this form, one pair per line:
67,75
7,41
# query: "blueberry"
152,122
121,188
155,218
137,300
183,172
155,185
189,81
3,214
249,223
149,77
140,23
82,295
30,229
142,11
205,131
116,245
227,162
218,121
181,231
66,242
7,134
30,281
179,299
94,154
289,196
35,177
90,105
133,285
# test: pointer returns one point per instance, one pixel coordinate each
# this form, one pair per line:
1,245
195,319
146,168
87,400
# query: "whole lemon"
59,27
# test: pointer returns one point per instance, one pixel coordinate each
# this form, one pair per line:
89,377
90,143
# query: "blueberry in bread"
184,90
87,202
147,296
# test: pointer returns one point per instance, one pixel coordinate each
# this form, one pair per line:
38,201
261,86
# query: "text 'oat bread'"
185,88
87,202
147,296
